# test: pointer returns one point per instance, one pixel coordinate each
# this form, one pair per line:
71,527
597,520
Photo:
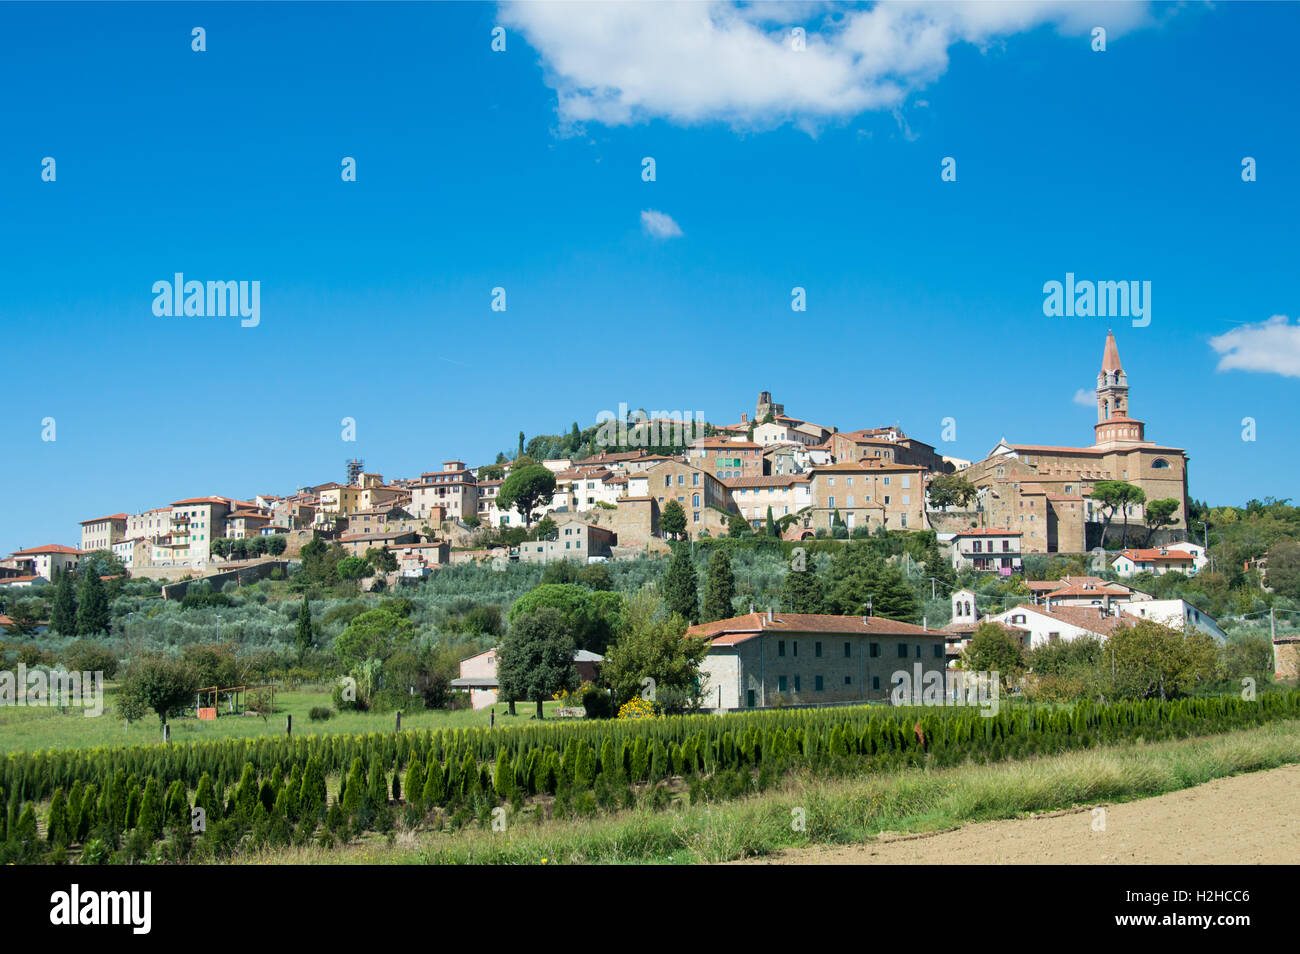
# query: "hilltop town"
809,480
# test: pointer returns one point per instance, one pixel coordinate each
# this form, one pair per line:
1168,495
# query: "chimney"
751,609
769,614
925,625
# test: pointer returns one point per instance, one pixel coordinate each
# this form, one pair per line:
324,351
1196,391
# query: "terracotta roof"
116,516
771,480
1091,451
1048,585
1110,357
48,548
4,581
858,466
607,456
219,501
738,629
1090,619
1087,590
1158,556
987,532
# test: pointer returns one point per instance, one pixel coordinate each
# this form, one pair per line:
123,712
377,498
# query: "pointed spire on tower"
1110,360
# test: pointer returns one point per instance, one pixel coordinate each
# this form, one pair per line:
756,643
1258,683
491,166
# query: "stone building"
1043,491
764,659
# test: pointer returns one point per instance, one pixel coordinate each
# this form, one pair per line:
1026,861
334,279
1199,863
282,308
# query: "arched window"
1160,464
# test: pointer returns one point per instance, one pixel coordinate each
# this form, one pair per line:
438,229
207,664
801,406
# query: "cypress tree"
302,637
377,784
151,810
63,614
354,793
681,586
415,783
93,615
57,824
503,780
610,764
434,790
76,796
245,797
584,767
719,588
132,809
176,815
86,819
24,830
640,760
205,798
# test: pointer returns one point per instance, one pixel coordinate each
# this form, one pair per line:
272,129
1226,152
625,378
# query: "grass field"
835,812
35,728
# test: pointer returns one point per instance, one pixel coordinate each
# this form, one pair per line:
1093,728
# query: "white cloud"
627,62
1085,398
658,225
1271,346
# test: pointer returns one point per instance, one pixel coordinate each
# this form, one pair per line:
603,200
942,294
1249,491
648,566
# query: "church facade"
1042,491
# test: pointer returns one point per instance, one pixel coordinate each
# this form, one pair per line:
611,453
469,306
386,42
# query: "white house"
1159,561
1060,623
1177,614
1195,549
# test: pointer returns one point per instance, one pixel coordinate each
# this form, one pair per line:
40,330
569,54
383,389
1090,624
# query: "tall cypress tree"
63,615
302,638
151,809
93,616
681,586
771,524
719,588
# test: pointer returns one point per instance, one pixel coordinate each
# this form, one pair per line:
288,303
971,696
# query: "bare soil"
1243,819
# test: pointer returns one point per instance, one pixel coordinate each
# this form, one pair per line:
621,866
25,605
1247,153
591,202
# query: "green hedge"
277,785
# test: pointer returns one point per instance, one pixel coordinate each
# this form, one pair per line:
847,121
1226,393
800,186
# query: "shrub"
320,713
389,700
85,656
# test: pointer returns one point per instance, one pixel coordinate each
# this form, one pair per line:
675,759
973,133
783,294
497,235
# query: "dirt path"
1245,819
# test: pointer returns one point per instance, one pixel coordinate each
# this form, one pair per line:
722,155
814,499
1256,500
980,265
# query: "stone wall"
1286,657
249,573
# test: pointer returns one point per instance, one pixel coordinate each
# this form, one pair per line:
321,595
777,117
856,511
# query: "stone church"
1042,491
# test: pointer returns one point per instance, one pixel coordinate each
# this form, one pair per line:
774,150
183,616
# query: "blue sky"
522,169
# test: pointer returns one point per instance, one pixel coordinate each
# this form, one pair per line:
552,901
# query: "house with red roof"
760,660
1159,560
42,563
